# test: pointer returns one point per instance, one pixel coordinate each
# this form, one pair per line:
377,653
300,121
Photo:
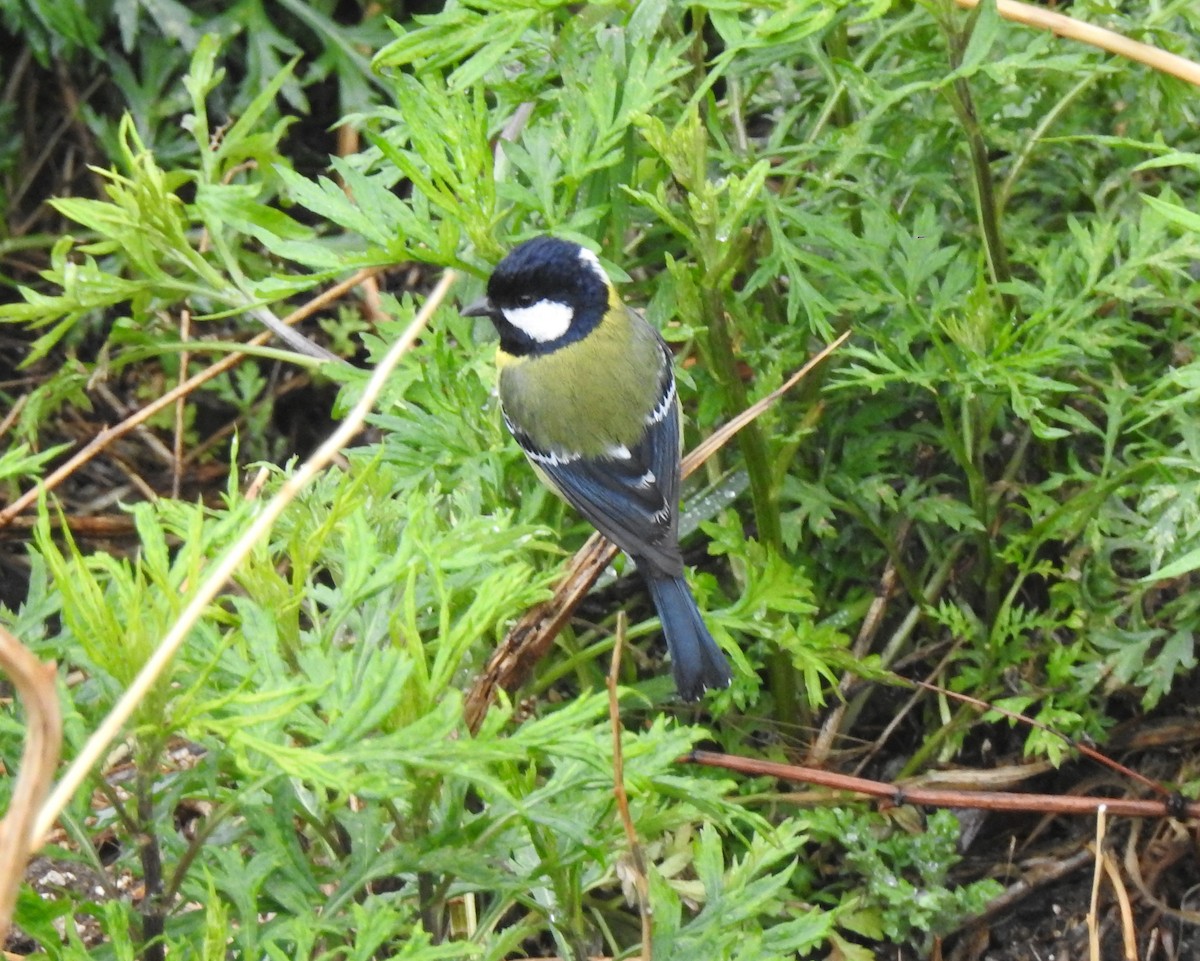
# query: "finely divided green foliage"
1011,431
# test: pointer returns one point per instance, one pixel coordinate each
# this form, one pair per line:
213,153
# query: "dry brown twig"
223,568
1134,871
832,725
13,413
80,525
905,709
635,866
935,797
529,639
1089,752
35,684
1036,875
185,331
110,434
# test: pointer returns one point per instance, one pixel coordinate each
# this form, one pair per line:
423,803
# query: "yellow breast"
591,395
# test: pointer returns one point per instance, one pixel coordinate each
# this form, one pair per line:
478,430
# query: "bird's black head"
545,294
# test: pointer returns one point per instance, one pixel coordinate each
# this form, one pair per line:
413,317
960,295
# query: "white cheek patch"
590,260
544,321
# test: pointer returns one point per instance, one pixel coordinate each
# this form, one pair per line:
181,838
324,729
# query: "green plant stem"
153,948
697,54
762,492
838,46
198,841
985,190
933,743
751,440
959,95
428,906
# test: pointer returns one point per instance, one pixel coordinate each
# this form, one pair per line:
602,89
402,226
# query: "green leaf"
1174,213
235,205
1177,568
986,29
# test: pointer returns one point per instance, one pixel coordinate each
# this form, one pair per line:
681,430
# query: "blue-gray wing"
661,444
631,494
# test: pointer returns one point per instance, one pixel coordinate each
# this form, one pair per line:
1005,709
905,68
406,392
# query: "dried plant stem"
911,702
1093,922
1124,906
13,413
224,567
721,436
636,857
823,743
1134,851
110,434
1089,752
34,683
1029,884
1072,29
185,332
936,797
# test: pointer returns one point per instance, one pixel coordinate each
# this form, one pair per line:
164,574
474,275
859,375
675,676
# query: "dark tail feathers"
696,661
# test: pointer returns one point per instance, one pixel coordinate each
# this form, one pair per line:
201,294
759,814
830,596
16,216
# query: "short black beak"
480,308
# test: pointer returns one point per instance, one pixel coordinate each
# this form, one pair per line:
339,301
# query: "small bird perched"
587,390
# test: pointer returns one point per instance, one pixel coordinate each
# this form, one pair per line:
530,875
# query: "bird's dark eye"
525,300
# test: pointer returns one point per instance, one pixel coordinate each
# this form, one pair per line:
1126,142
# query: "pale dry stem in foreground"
224,567
35,685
